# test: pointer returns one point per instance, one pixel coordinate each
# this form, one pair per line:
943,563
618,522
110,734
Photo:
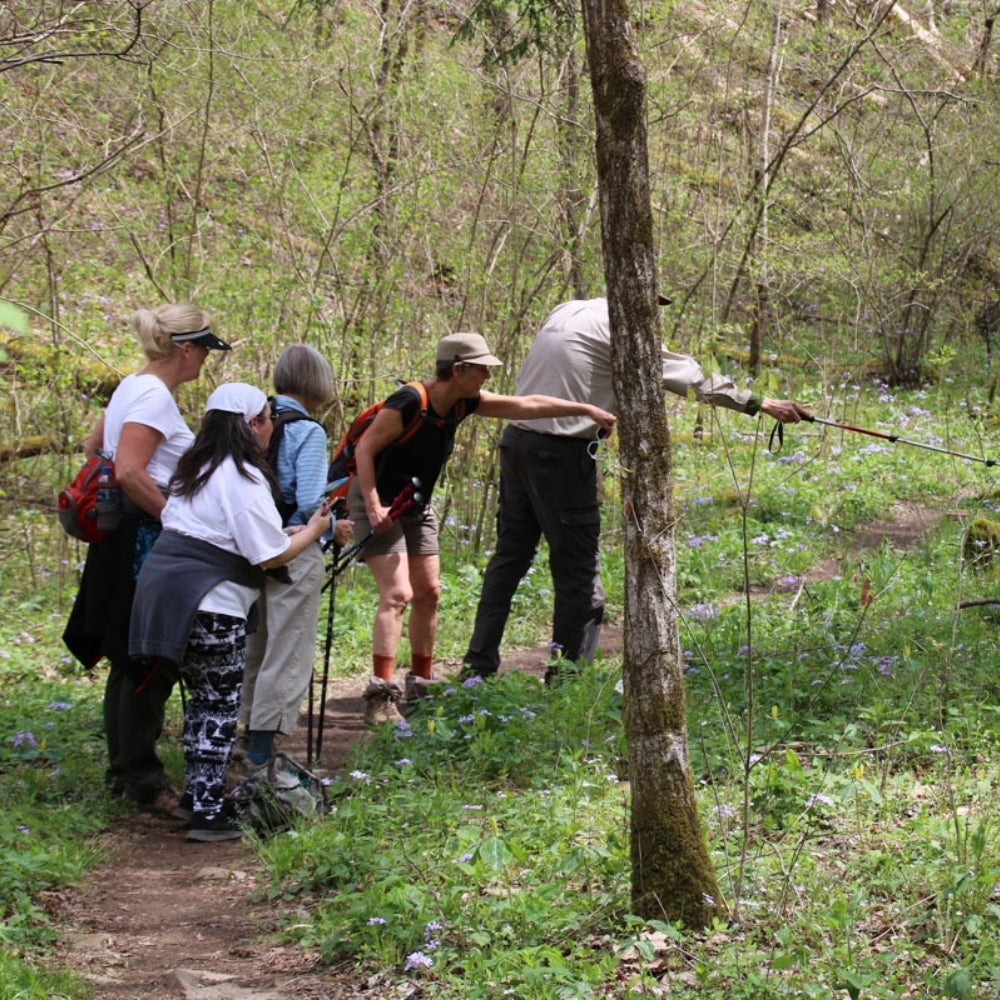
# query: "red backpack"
343,466
90,507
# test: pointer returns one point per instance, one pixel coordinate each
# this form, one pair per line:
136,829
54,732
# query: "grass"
844,737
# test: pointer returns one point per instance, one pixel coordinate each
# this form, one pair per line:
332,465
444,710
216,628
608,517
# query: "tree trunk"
983,51
573,199
672,875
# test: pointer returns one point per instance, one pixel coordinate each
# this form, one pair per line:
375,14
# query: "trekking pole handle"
407,499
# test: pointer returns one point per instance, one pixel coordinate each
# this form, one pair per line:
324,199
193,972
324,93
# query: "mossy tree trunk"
672,875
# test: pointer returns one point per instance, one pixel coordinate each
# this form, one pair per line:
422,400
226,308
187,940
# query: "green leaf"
13,318
959,984
852,982
495,853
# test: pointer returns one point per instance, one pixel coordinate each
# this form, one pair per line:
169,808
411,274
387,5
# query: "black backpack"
281,418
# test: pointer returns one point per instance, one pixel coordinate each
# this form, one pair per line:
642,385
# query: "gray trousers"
281,653
548,486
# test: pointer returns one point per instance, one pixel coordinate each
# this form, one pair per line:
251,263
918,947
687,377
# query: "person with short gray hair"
281,653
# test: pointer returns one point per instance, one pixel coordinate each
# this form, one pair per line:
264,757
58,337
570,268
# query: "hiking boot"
223,826
381,698
166,802
416,686
468,671
184,809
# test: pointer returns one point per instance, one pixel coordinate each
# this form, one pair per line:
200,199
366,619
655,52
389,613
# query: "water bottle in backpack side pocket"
108,498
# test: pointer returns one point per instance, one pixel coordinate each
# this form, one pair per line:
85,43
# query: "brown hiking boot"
381,698
416,686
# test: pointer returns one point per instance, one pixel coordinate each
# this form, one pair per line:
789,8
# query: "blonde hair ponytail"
154,327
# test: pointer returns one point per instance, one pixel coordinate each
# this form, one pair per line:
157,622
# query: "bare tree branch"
66,24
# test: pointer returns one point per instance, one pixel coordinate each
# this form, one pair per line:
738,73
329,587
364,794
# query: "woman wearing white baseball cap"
196,594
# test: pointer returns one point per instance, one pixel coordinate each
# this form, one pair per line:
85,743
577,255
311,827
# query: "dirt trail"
165,919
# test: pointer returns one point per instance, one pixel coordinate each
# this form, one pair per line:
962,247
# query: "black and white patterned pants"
212,671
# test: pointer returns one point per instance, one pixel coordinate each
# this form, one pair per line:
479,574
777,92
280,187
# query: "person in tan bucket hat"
403,554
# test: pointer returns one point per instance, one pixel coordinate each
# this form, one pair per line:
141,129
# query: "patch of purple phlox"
818,799
704,611
885,664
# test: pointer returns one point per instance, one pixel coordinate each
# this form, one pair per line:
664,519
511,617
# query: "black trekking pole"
407,500
896,439
339,511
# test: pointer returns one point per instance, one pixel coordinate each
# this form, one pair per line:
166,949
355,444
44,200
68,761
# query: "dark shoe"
166,802
468,671
185,808
223,826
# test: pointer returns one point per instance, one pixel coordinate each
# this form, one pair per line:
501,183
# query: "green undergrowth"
52,805
841,675
481,843
481,849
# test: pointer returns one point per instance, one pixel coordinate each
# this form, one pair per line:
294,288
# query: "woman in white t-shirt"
143,431
197,589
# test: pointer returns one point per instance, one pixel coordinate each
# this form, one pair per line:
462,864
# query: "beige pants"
282,652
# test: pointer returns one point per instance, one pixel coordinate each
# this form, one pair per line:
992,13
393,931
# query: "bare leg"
392,577
425,589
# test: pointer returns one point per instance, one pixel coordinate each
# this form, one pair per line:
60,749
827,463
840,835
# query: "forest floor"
166,919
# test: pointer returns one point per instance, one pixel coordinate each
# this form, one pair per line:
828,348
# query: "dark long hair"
222,435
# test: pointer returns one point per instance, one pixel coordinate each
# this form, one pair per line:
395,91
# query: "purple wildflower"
818,799
417,960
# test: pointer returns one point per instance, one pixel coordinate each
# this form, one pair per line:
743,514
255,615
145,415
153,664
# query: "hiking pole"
339,510
896,439
407,500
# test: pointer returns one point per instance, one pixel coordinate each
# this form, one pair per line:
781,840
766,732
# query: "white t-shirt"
236,514
144,399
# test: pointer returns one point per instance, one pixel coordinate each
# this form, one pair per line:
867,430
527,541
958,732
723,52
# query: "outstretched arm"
536,407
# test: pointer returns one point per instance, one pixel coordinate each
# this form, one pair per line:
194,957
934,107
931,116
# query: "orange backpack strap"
414,425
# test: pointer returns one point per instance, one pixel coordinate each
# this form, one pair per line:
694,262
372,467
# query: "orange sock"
382,665
420,664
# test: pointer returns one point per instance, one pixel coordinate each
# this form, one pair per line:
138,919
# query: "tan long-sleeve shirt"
571,359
